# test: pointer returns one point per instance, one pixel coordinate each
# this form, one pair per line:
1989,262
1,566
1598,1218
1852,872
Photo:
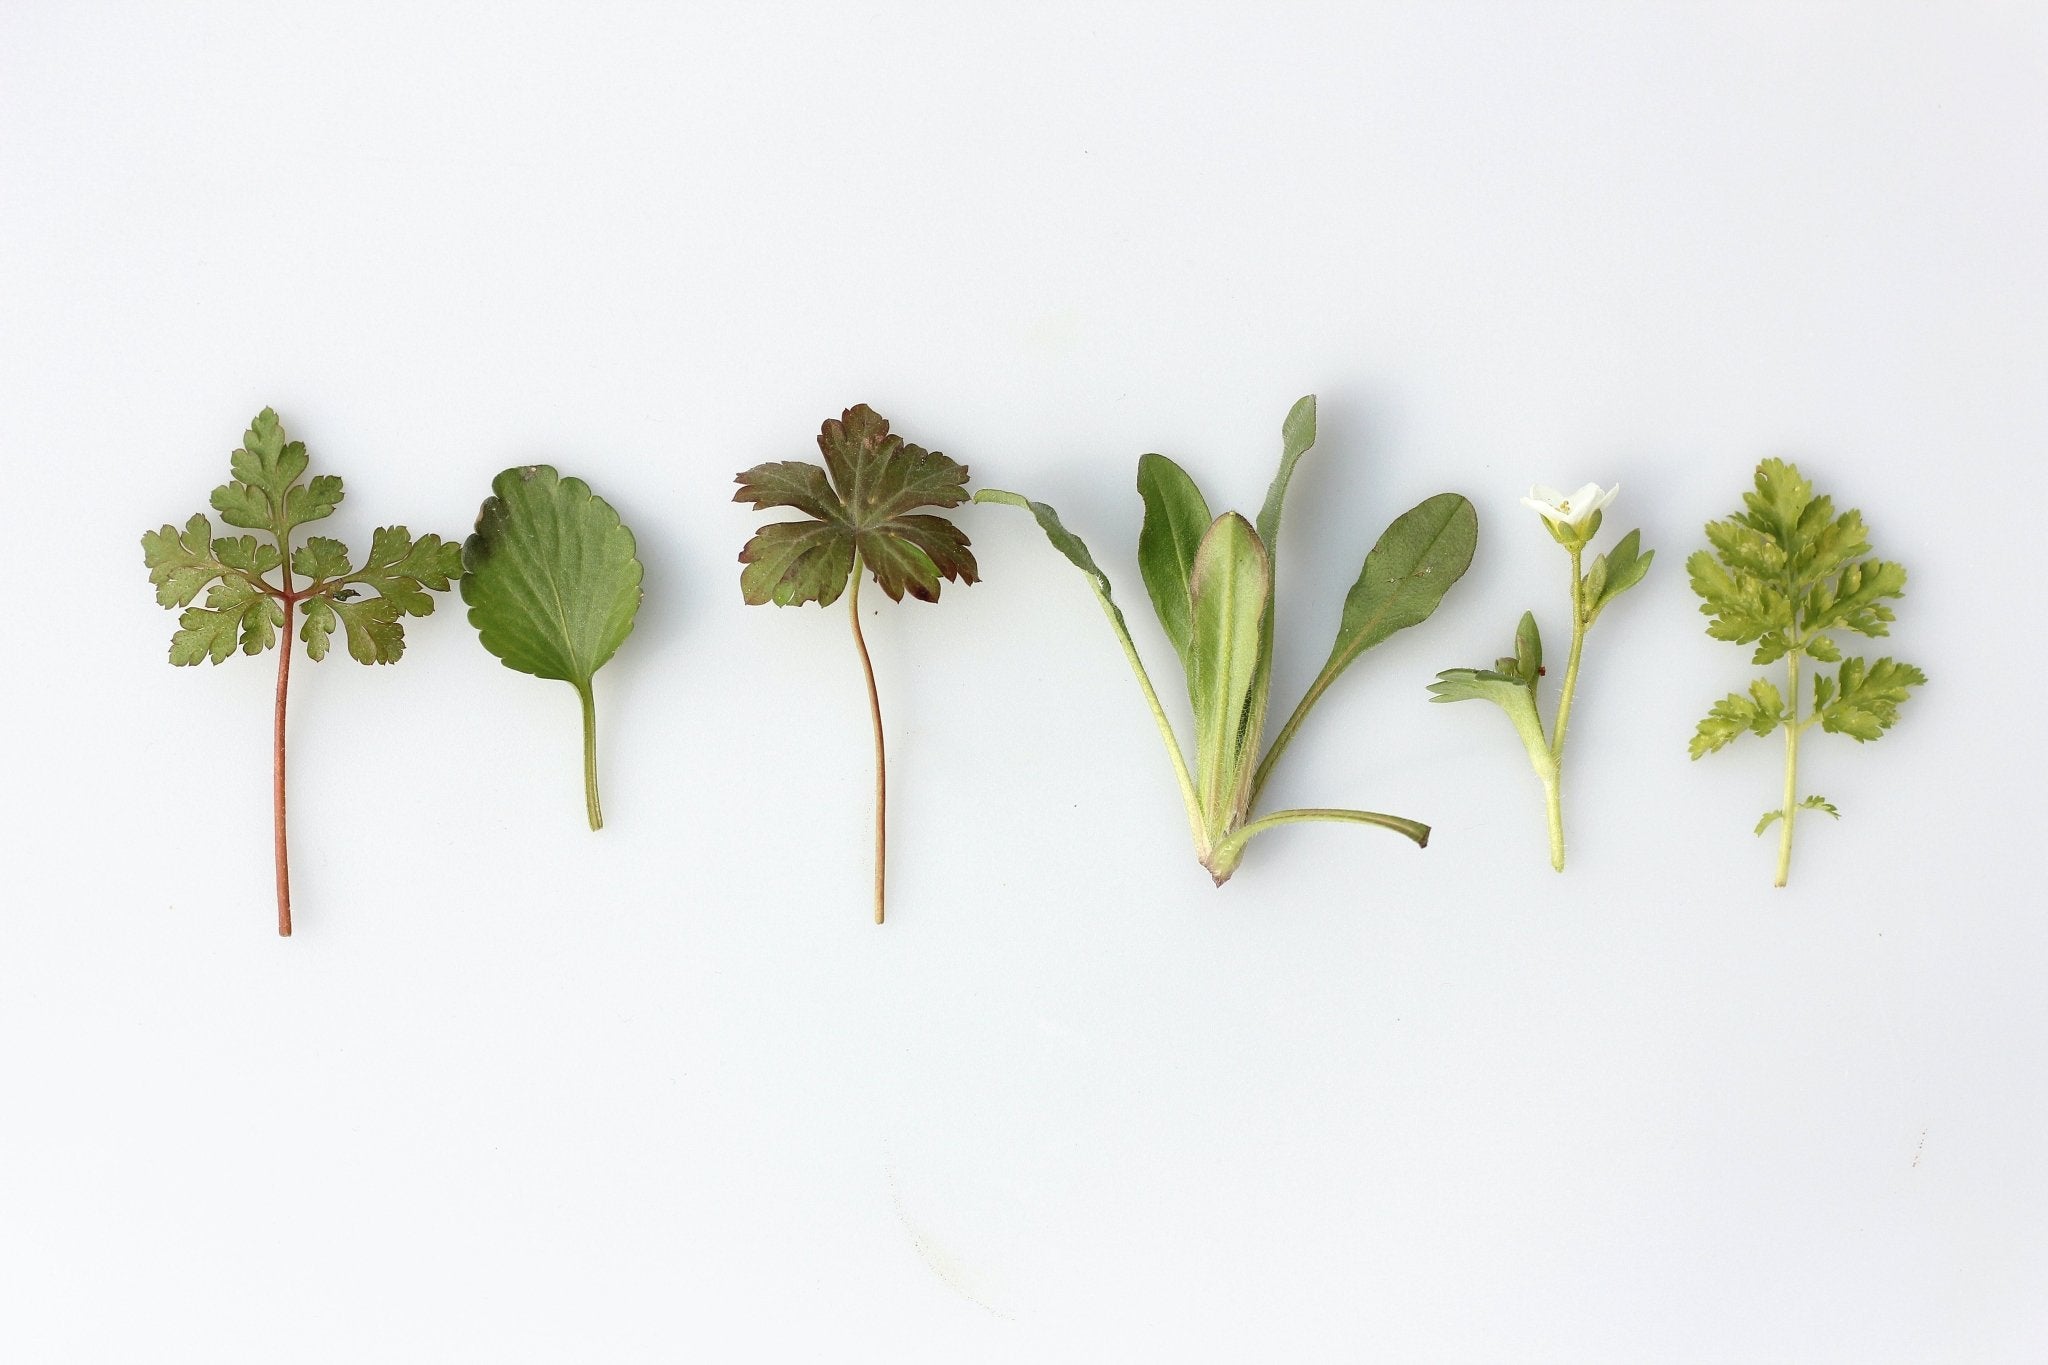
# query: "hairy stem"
1792,728
1229,852
1553,782
867,667
284,678
1553,806
1286,735
590,801
1571,665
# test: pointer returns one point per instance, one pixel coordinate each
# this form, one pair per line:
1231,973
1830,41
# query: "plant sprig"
1786,573
1211,581
860,514
1511,684
552,581
247,610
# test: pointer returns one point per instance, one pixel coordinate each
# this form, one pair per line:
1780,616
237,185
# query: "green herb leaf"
553,582
863,511
1176,519
1228,590
1784,573
1615,572
1404,578
1510,693
1211,581
246,609
1076,553
859,511
1759,713
1869,697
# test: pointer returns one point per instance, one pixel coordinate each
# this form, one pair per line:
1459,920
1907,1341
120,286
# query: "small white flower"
1568,511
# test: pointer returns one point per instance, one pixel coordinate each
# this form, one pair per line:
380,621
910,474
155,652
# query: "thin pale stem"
1553,781
590,801
284,678
1571,666
1230,851
1173,750
1792,729
1553,805
867,667
1286,735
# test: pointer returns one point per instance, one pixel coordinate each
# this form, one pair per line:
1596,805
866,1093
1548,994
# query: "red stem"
284,677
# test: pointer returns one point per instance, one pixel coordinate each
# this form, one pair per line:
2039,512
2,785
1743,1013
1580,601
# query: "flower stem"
867,667
1553,781
1792,728
590,801
284,678
1553,806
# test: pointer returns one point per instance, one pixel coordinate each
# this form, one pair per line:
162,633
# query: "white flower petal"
1581,503
1543,492
1547,512
1604,499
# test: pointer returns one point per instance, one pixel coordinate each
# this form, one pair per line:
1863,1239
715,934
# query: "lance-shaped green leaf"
1405,576
1076,553
859,511
552,580
246,609
1228,592
1176,519
1297,435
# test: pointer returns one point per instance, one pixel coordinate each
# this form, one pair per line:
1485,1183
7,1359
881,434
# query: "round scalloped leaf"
552,583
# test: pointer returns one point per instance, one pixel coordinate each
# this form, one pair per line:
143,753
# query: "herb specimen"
1786,573
1211,582
1510,684
859,513
247,609
553,584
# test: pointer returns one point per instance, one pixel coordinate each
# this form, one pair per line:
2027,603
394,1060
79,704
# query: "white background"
520,1092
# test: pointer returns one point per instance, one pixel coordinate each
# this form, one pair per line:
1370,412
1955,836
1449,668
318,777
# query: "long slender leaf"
1176,518
1076,552
1414,563
1297,434
1229,588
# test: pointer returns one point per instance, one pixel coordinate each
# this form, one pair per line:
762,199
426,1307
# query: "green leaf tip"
553,581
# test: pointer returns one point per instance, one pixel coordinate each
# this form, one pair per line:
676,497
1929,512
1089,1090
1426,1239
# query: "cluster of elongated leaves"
552,580
858,506
1787,574
243,606
1211,579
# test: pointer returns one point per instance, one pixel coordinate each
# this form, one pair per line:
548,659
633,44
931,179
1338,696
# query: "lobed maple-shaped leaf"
860,510
858,506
